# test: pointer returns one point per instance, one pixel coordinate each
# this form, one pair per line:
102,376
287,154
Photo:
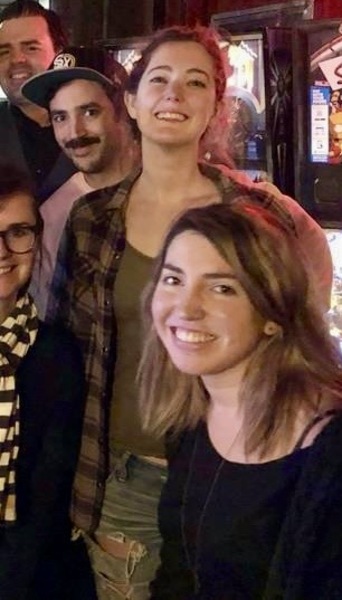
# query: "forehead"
186,54
22,29
16,208
78,92
190,248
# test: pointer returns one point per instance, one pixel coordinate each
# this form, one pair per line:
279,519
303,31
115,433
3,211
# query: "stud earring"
271,328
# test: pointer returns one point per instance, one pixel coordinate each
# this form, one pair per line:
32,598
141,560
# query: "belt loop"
121,467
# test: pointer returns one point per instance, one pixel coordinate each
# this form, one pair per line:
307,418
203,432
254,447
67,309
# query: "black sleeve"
307,562
51,390
323,577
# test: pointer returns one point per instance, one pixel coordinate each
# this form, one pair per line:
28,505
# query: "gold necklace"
193,565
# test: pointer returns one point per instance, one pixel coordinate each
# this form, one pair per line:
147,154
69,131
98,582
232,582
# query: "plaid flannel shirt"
82,296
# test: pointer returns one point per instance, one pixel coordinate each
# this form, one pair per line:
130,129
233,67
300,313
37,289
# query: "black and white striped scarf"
17,333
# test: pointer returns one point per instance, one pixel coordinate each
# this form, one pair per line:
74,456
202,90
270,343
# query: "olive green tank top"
125,427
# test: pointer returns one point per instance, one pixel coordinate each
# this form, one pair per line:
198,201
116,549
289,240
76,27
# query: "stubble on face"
85,125
26,49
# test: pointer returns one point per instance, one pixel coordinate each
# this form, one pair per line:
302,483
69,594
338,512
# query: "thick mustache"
81,142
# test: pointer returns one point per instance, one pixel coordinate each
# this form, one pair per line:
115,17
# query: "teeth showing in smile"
4,270
20,76
192,337
171,116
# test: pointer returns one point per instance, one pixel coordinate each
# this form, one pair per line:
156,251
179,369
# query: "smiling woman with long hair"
174,96
239,369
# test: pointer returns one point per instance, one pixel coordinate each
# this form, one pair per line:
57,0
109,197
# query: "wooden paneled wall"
190,11
90,20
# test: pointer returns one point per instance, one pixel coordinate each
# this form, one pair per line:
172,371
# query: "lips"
171,116
190,336
79,152
20,76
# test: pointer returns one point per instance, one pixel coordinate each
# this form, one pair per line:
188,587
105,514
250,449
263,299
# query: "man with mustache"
30,37
90,125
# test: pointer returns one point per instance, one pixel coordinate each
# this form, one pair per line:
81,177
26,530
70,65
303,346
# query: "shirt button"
105,349
116,256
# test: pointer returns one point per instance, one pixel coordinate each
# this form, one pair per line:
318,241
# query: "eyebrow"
23,42
20,224
191,70
53,113
62,111
33,41
214,275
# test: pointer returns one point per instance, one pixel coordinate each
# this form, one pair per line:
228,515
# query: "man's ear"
129,100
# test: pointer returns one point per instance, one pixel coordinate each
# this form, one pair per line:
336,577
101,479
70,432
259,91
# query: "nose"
174,91
190,305
4,252
17,55
76,126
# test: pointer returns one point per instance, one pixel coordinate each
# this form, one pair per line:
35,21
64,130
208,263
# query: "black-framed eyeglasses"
20,239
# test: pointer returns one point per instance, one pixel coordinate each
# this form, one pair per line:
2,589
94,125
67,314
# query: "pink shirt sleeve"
314,243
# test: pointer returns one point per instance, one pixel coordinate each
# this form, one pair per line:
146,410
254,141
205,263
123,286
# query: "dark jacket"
11,151
306,563
34,550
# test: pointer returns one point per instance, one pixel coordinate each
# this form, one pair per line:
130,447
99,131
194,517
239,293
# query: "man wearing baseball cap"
83,93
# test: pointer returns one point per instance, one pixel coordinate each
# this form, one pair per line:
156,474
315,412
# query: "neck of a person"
225,417
35,113
224,396
110,175
169,172
6,307
224,388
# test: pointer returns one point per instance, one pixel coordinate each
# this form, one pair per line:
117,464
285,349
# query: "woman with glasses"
41,389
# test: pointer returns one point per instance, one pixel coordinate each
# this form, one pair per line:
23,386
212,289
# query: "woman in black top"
41,397
240,366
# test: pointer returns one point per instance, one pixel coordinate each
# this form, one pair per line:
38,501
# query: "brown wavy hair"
297,369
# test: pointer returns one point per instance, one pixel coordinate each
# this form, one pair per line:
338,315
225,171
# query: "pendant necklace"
194,564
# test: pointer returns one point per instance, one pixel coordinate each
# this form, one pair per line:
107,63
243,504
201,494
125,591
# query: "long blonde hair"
291,370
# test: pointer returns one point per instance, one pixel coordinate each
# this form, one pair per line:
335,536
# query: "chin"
92,168
16,98
190,369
